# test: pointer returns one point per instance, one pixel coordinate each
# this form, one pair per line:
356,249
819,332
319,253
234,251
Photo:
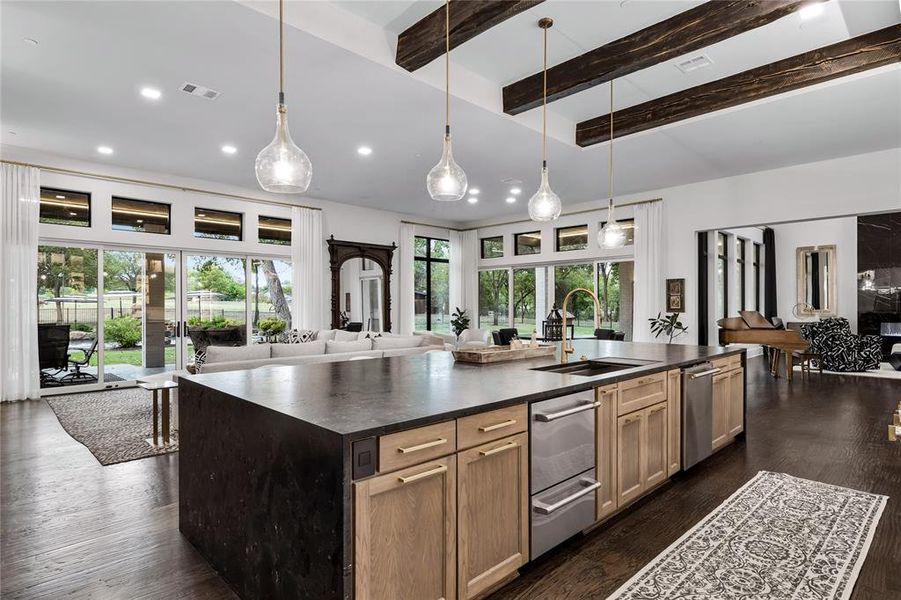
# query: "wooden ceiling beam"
688,31
423,42
869,51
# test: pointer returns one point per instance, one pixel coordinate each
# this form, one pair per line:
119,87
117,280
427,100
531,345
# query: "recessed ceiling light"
510,199
58,197
472,199
364,150
31,41
515,191
104,150
229,149
474,191
151,93
811,11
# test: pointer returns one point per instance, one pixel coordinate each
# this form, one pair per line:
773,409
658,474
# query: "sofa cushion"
398,341
216,354
346,336
334,346
325,334
284,350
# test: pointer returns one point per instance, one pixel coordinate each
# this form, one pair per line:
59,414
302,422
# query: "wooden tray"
495,354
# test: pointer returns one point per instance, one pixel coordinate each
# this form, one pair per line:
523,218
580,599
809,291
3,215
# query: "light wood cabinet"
493,513
674,412
606,450
720,409
635,394
656,450
415,446
630,463
405,537
489,426
736,412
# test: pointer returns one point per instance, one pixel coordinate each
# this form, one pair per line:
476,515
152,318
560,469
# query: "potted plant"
668,325
459,322
271,327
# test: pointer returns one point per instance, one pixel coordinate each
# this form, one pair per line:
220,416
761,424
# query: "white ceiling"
78,88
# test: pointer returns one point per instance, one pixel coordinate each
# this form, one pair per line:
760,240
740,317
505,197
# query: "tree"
568,278
211,276
122,270
523,292
276,291
491,285
61,269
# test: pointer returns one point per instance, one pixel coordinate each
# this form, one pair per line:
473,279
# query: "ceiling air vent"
695,63
199,90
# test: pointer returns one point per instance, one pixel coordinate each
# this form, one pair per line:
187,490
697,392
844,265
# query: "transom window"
272,230
527,243
62,207
628,225
572,238
493,247
218,224
140,215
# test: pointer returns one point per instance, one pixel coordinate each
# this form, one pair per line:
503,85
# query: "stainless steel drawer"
563,439
562,511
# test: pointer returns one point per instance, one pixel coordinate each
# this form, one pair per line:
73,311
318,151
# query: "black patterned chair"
839,349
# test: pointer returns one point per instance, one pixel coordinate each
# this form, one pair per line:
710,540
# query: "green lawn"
130,356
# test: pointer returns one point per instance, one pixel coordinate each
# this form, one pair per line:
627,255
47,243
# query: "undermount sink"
597,366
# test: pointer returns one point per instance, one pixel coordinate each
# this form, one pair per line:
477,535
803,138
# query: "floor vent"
199,90
693,64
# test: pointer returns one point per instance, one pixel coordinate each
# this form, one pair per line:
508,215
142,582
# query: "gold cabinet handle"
657,409
435,471
419,447
487,428
499,449
630,419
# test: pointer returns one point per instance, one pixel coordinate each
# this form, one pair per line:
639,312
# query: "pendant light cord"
544,107
610,157
447,67
281,52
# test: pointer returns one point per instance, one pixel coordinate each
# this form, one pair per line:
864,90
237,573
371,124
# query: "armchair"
839,349
473,338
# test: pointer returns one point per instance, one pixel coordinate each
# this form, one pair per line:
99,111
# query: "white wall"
859,184
344,221
842,233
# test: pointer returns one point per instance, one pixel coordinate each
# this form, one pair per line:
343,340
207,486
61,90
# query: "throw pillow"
325,334
346,336
334,346
298,336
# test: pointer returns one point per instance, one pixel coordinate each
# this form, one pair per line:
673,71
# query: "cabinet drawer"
487,427
414,446
635,394
727,362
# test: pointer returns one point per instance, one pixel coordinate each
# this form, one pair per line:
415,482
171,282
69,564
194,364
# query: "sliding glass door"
215,302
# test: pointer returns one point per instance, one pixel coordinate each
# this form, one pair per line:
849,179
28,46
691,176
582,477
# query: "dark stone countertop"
360,398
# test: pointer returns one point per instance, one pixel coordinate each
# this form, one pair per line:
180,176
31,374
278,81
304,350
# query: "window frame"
275,243
54,190
428,259
516,237
490,238
557,231
723,260
741,248
756,266
141,200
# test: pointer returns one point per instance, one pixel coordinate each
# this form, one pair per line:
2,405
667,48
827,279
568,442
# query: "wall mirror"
817,280
361,285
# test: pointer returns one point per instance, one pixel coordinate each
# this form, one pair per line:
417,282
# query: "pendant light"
281,166
446,181
545,204
612,234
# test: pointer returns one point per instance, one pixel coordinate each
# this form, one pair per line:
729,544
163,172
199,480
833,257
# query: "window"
572,238
493,247
527,243
270,293
528,299
722,279
431,283
218,224
628,225
757,276
61,207
140,215
581,306
272,230
740,271
494,287
615,288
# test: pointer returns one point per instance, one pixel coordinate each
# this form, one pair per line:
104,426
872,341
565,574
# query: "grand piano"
753,328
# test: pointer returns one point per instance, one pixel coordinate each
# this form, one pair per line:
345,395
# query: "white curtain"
648,295
20,195
406,290
464,276
308,266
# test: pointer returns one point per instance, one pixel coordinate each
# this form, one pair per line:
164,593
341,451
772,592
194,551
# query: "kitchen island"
410,476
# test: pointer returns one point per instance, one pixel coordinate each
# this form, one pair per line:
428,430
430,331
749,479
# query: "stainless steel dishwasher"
563,469
697,413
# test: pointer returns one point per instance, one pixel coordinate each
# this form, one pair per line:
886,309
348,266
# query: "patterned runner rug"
113,424
777,537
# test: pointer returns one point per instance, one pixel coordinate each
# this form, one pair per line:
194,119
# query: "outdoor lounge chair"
79,364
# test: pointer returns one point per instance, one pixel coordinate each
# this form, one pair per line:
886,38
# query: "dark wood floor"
71,528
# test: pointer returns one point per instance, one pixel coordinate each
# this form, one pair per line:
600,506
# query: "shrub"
86,327
125,331
271,326
217,321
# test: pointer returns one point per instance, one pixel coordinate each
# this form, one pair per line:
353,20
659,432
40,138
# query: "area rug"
777,537
113,424
885,371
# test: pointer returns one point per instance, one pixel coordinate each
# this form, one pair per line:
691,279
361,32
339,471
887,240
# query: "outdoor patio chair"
53,352
78,365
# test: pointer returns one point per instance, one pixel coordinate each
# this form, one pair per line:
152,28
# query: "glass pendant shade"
282,167
612,235
446,181
545,205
